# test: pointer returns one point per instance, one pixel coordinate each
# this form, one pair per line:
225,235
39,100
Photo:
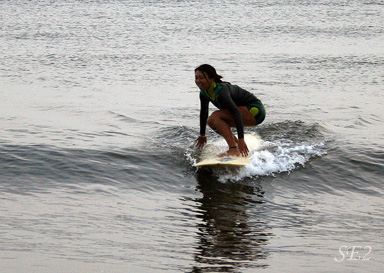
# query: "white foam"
271,158
268,158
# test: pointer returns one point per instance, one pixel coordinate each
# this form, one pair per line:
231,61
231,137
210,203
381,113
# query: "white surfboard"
209,154
225,161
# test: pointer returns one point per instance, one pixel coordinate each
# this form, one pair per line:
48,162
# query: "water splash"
276,148
272,158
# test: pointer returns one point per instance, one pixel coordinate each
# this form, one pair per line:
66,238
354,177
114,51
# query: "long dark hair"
210,71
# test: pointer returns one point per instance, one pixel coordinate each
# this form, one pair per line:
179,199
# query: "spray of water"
268,157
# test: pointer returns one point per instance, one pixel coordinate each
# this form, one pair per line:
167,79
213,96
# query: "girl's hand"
243,148
200,141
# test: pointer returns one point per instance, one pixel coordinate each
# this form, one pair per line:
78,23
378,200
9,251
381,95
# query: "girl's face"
202,80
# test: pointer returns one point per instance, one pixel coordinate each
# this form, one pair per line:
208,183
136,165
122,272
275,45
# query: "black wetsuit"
227,96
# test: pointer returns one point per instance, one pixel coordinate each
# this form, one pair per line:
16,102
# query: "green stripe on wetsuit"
258,111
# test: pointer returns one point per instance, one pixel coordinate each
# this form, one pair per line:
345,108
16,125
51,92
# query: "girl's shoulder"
224,85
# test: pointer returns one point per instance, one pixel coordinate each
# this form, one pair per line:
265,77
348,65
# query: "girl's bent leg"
221,122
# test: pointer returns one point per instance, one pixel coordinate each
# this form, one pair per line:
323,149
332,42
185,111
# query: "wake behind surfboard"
209,155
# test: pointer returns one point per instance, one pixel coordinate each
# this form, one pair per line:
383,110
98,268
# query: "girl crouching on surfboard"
237,108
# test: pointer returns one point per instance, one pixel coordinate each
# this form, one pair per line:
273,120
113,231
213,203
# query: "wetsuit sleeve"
204,104
226,102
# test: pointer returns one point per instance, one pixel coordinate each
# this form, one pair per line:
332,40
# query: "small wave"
175,137
275,158
123,118
276,148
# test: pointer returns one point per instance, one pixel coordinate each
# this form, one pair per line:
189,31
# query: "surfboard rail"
225,161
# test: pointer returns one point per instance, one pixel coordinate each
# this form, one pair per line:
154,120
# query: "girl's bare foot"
231,152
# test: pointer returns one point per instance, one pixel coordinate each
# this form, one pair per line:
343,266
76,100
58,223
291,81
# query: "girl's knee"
211,121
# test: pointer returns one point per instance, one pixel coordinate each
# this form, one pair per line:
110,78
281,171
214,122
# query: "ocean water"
99,112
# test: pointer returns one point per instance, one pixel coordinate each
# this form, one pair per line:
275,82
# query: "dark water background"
99,111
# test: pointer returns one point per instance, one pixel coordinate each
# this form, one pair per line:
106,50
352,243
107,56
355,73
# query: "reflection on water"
232,234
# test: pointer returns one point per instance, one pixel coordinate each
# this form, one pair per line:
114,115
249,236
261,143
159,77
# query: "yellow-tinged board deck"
225,161
209,154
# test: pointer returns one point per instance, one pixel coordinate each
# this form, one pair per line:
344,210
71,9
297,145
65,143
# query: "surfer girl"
237,108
